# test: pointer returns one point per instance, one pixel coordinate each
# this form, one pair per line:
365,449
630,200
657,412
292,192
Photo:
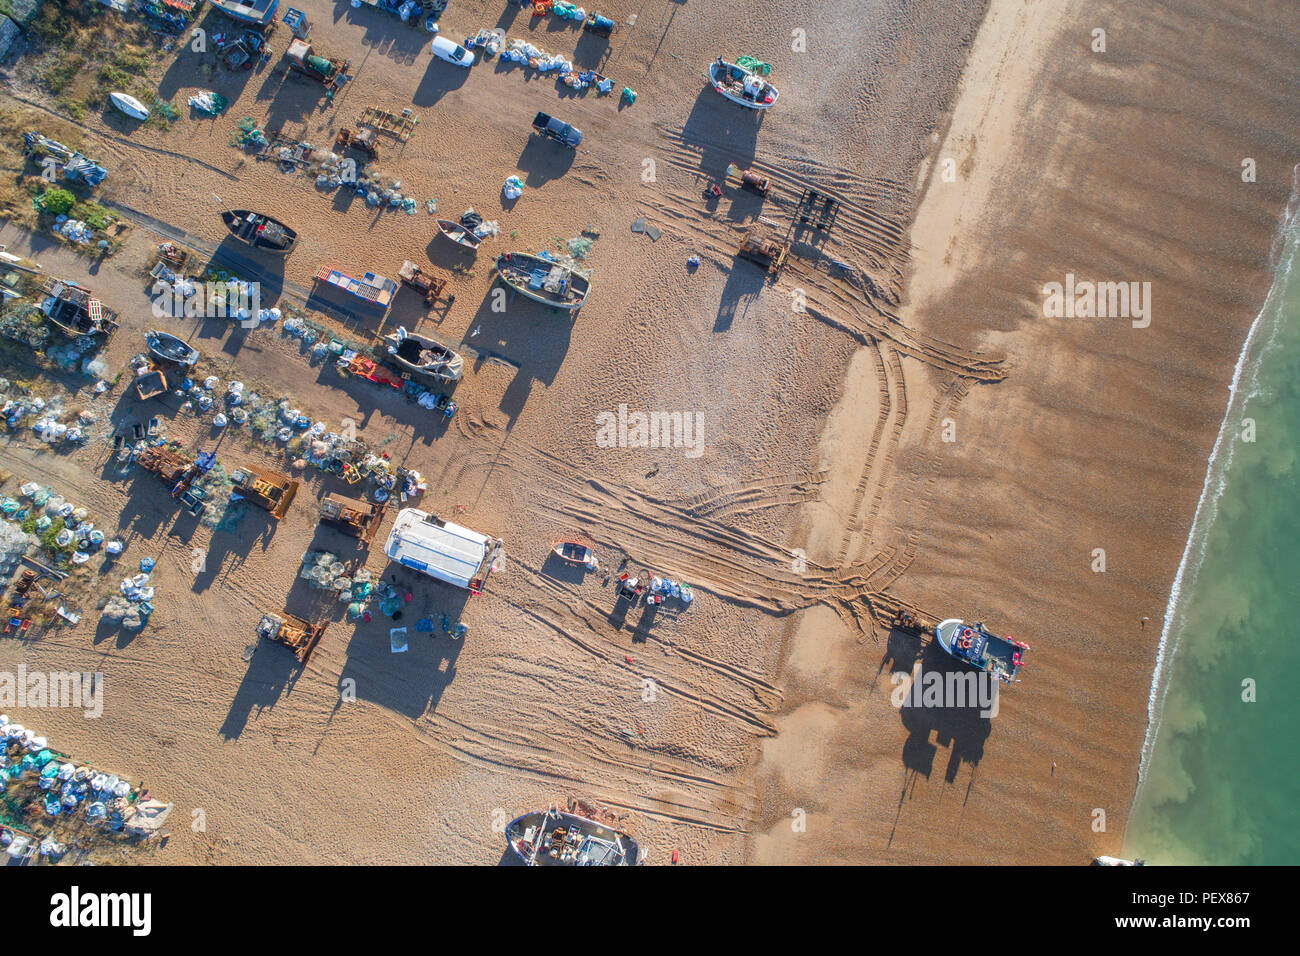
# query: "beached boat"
555,838
169,348
259,231
741,86
543,280
424,356
573,553
75,311
1117,861
129,105
972,643
459,234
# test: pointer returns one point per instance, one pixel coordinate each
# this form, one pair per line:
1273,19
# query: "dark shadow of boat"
954,722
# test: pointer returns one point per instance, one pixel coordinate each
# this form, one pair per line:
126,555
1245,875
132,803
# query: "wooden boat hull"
459,234
129,105
169,348
711,74
571,552
514,269
447,364
260,232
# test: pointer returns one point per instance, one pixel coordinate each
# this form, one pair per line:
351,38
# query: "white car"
453,53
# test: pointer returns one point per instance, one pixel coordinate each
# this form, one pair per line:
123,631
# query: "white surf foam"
1216,471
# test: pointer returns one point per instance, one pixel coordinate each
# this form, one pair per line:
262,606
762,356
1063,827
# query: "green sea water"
1220,781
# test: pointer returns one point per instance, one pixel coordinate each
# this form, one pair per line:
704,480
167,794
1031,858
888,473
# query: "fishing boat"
573,553
129,105
76,311
459,234
555,838
741,86
169,348
417,353
543,280
972,643
259,231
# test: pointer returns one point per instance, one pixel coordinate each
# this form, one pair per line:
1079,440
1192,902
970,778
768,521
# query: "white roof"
448,552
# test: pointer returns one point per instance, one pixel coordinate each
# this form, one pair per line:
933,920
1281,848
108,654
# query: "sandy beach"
911,431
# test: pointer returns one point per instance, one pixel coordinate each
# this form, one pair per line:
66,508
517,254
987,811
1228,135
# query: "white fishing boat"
129,105
741,86
571,552
543,280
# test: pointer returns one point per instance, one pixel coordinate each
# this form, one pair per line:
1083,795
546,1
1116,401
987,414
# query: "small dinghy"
741,86
259,231
459,234
571,552
424,356
129,105
169,348
543,280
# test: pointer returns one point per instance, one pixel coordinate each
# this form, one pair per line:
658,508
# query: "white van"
452,52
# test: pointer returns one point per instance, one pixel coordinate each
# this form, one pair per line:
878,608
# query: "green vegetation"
92,213
64,70
58,201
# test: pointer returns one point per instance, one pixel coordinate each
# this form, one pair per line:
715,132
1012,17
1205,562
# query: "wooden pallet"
400,126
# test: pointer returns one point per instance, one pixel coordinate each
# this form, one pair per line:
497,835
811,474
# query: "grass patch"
63,71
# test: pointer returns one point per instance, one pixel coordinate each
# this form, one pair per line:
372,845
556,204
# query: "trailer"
326,71
442,550
400,126
422,282
748,180
176,470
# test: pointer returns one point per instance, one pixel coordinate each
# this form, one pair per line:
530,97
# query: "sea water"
1219,781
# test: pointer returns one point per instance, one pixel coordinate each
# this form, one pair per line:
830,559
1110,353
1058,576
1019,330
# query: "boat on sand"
422,355
741,86
129,105
571,552
458,234
972,643
555,838
169,348
543,280
259,231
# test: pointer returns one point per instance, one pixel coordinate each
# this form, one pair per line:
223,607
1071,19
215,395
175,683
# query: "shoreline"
1216,475
1099,436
